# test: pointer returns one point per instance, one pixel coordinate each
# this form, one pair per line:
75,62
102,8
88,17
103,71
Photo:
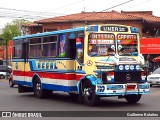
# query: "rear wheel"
88,94
133,98
38,91
11,84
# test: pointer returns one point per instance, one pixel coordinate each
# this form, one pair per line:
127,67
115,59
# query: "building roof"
146,15
31,25
101,16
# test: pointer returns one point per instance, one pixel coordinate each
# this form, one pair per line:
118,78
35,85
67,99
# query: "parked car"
3,75
154,78
4,68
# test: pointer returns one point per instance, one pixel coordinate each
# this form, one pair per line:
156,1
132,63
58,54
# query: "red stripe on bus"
49,75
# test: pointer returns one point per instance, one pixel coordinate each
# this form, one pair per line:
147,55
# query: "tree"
12,29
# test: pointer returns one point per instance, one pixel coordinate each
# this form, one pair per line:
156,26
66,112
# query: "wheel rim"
10,83
38,88
87,92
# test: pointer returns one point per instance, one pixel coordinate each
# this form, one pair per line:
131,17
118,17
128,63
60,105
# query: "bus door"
79,55
76,53
25,50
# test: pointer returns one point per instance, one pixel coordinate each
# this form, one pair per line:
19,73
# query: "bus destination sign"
114,29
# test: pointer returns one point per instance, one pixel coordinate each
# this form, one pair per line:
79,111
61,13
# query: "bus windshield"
100,44
127,44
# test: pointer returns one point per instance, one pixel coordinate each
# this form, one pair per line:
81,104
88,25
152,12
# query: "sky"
33,10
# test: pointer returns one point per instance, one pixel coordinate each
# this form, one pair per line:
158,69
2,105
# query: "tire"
38,91
88,94
11,84
133,98
2,77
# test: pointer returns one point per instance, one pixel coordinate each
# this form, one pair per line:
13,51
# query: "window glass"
35,51
49,49
35,47
127,44
49,46
17,51
101,44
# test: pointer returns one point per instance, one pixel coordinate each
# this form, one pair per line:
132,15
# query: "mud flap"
23,89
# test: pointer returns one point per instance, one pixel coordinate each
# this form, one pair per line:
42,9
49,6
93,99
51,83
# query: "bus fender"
34,77
91,78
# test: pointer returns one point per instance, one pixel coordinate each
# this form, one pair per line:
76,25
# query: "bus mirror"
119,47
113,47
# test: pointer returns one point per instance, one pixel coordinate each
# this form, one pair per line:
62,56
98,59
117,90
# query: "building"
148,24
144,20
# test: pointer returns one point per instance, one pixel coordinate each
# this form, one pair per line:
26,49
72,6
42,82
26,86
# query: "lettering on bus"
114,29
49,64
126,37
101,36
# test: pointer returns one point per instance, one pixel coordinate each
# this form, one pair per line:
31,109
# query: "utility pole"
7,57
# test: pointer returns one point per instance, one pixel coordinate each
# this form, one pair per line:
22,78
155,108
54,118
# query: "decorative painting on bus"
62,45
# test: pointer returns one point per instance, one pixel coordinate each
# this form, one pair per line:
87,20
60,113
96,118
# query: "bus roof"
49,33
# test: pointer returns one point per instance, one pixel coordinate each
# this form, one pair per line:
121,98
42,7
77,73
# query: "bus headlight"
121,67
127,67
132,67
137,67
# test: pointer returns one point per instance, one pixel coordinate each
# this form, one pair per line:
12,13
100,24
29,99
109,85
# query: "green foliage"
11,30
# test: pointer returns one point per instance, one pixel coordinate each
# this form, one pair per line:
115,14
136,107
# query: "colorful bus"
89,62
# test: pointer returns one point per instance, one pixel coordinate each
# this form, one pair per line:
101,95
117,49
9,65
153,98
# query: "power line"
140,3
110,8
66,5
117,5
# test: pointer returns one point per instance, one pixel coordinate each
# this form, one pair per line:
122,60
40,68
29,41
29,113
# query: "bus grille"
127,77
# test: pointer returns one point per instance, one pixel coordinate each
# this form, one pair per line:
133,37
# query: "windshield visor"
101,44
127,44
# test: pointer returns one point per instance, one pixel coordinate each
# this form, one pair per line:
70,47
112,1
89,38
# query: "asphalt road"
11,100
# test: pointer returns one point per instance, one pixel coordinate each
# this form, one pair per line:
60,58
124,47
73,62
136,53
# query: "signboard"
114,29
150,45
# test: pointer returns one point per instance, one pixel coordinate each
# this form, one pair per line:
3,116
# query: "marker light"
127,67
132,67
137,67
121,67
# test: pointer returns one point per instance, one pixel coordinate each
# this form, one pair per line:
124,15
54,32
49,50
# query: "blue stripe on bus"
22,60
59,87
49,86
49,33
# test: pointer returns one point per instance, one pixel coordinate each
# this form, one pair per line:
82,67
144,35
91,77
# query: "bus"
89,62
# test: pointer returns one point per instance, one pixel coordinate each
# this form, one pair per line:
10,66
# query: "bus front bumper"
122,89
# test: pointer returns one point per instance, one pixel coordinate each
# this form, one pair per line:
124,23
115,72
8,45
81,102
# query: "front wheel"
133,98
88,94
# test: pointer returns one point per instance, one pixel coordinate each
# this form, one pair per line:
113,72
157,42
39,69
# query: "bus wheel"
88,94
133,98
11,84
38,91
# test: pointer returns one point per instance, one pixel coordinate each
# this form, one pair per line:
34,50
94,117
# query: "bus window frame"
20,56
35,44
42,43
107,49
